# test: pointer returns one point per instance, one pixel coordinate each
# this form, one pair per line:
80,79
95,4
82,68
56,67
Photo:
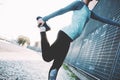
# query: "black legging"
57,51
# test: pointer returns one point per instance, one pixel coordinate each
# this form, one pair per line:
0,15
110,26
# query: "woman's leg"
57,51
45,47
61,47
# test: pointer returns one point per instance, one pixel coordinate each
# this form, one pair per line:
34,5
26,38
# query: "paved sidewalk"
18,63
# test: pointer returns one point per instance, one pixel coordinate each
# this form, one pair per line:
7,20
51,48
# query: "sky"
18,17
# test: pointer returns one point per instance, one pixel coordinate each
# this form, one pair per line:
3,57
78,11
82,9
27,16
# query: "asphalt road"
19,63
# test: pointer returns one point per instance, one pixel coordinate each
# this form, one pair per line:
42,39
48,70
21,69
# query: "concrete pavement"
18,63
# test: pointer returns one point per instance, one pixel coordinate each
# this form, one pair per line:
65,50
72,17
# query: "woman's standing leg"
60,48
58,61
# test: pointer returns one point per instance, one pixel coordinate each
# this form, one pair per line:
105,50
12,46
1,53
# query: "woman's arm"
104,20
68,8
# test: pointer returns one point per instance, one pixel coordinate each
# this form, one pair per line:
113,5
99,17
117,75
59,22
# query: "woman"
58,50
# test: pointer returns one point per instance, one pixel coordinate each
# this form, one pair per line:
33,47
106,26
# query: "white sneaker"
42,29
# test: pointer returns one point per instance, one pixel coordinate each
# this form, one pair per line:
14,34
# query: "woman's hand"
40,22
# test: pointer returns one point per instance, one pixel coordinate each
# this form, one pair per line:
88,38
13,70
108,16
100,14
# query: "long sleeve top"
81,15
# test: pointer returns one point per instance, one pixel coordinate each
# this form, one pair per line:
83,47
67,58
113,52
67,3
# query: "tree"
22,40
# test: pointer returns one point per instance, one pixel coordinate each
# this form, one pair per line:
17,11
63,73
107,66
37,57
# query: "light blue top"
79,18
81,15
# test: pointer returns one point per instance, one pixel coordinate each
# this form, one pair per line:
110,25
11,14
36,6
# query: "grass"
70,73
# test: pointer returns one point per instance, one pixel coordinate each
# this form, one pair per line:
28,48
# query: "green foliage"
70,73
22,40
